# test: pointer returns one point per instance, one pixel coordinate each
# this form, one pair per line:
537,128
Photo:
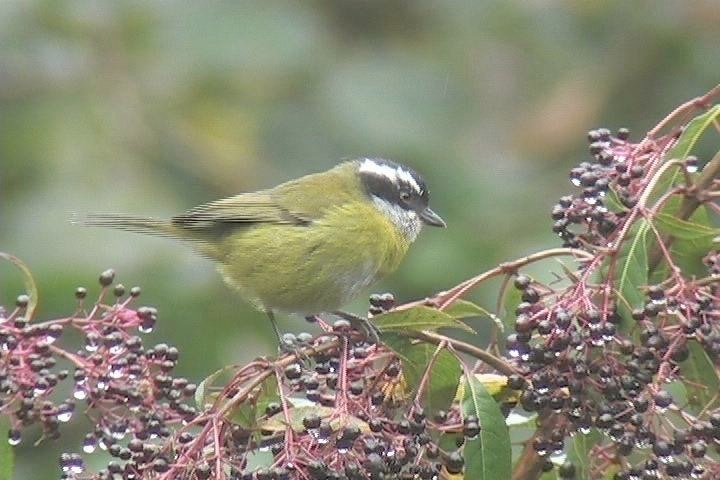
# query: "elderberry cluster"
126,389
585,217
610,184
591,363
342,410
351,418
574,364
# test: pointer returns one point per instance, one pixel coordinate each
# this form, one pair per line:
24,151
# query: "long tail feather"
130,223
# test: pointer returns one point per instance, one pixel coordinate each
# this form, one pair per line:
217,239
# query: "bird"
309,245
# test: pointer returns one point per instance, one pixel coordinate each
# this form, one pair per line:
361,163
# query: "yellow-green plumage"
309,245
328,274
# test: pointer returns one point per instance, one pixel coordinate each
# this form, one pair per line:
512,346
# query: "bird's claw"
362,324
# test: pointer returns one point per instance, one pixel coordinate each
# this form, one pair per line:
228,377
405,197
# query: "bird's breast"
314,268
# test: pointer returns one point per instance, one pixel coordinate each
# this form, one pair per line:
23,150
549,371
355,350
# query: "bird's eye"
404,195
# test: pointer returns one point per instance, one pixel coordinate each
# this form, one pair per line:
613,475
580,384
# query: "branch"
444,299
436,339
529,465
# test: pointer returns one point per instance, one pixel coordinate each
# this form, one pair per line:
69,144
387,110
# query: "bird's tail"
130,223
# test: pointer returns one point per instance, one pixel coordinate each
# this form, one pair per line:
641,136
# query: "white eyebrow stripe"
409,179
393,174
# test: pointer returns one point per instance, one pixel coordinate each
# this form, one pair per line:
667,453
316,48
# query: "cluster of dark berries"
342,412
585,217
573,363
712,262
594,367
380,303
610,184
127,390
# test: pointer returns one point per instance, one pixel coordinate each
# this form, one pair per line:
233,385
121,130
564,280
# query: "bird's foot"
362,324
291,344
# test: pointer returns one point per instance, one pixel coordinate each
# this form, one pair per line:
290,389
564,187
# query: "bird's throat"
407,222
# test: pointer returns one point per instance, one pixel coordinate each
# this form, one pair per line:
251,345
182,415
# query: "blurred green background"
151,107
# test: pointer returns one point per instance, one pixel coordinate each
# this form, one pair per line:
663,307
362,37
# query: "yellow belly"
316,268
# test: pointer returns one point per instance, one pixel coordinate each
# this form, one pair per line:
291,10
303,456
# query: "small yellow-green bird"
306,246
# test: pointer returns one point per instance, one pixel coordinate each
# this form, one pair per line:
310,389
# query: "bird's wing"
243,209
298,202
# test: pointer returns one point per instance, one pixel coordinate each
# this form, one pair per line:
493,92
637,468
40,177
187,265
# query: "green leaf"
578,451
277,422
679,392
686,249
613,203
684,147
206,391
463,309
691,243
417,319
683,229
511,299
246,413
258,459
488,456
444,375
7,454
692,133
632,270
701,378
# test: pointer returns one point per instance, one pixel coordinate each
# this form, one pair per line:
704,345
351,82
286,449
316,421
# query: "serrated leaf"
449,441
679,392
702,380
488,456
444,375
578,451
7,454
632,270
277,422
246,414
686,252
417,319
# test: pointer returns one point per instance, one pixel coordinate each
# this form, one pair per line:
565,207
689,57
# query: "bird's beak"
431,218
